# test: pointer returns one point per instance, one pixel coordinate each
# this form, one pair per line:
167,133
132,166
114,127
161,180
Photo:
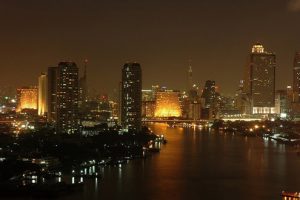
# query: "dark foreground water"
202,165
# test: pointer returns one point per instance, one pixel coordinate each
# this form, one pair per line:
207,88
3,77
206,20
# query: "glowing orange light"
167,104
27,99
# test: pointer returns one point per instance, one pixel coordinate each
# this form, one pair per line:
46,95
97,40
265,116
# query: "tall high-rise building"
190,78
63,97
83,89
67,97
296,78
261,80
51,94
131,110
209,93
42,94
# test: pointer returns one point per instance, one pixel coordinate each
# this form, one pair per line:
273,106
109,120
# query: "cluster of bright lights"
167,105
22,125
28,99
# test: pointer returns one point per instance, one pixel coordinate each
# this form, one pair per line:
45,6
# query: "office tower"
83,89
27,98
296,78
62,96
131,97
51,94
209,93
42,95
67,97
261,80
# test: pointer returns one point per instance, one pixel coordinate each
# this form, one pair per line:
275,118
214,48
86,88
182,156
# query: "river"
202,164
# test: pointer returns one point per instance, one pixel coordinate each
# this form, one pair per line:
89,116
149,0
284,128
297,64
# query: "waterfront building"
167,104
131,97
209,94
148,109
27,98
42,95
281,103
261,80
194,110
148,103
184,104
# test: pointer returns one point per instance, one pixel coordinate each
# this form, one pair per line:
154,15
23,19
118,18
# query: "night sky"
162,35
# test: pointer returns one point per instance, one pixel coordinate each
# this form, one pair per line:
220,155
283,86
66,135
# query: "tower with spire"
190,77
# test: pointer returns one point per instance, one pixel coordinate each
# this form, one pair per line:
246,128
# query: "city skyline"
107,36
150,99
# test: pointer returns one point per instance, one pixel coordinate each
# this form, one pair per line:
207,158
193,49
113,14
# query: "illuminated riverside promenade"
158,120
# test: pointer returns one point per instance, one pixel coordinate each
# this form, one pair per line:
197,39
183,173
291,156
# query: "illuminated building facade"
131,111
63,97
296,78
42,95
167,104
27,98
262,80
67,97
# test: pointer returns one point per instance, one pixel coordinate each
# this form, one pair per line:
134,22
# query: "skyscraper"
51,93
42,94
296,78
261,80
83,90
190,78
131,110
67,97
209,93
62,96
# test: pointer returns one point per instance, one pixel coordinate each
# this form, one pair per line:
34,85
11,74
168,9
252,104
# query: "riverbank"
39,159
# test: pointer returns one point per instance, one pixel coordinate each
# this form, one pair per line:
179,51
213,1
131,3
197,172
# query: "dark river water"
202,164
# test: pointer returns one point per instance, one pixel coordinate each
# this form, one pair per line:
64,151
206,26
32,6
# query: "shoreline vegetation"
32,161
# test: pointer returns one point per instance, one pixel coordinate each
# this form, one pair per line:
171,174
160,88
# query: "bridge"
202,121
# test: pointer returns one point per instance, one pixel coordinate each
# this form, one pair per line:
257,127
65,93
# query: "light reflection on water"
198,164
